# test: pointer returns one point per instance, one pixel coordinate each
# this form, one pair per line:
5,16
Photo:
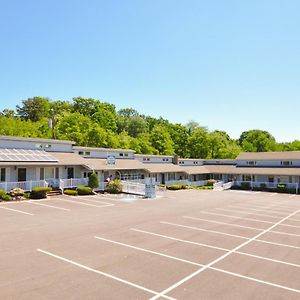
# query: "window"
87,153
271,179
42,173
251,163
81,153
195,163
286,163
126,154
3,174
121,154
84,153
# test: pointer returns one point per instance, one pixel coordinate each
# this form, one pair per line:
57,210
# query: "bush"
2,193
26,195
93,181
176,187
6,197
39,192
281,188
245,185
211,182
84,190
114,187
205,187
70,192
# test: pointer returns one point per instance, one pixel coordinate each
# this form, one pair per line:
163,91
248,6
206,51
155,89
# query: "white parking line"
87,204
227,234
247,219
147,251
273,194
93,200
19,211
241,226
217,248
203,266
47,205
223,223
204,230
248,213
102,273
259,210
267,208
192,275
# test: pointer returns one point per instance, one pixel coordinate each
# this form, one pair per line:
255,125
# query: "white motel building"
31,162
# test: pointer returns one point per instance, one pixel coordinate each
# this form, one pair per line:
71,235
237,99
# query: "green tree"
34,109
198,143
161,140
93,181
257,141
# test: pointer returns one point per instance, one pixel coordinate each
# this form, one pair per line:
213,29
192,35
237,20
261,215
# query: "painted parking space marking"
101,273
92,200
17,210
248,213
204,230
247,219
217,248
86,204
222,257
222,223
259,210
47,205
241,226
273,194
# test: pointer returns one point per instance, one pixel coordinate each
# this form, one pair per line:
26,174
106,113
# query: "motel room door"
163,178
21,174
70,173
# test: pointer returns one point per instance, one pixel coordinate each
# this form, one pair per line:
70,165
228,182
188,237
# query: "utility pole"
52,123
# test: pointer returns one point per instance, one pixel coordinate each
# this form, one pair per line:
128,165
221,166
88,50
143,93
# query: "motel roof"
79,148
287,155
69,158
121,164
37,140
162,168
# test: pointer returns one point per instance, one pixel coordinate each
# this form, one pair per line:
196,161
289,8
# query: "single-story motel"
31,162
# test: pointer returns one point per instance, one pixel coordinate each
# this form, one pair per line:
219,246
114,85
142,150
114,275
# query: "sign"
111,160
150,191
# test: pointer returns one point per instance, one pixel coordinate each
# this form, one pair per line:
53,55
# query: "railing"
24,185
258,184
132,187
73,182
174,182
228,185
198,183
218,186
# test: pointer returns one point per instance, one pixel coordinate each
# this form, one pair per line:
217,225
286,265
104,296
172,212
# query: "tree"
161,140
180,135
257,141
34,109
93,181
198,143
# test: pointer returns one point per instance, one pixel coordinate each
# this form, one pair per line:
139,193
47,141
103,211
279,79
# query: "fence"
24,185
187,182
73,182
271,185
132,187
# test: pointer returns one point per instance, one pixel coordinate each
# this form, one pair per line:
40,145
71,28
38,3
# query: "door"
163,178
21,174
70,173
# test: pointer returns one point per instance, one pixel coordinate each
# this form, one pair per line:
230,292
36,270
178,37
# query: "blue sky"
229,65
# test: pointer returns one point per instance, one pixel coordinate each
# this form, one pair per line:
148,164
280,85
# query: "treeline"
94,123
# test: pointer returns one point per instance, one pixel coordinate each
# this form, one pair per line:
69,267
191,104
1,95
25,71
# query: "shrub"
245,185
6,197
39,192
70,192
281,188
26,195
211,182
114,187
2,193
93,181
205,187
174,187
84,190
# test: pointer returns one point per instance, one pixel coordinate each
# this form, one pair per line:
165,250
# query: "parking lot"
185,245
